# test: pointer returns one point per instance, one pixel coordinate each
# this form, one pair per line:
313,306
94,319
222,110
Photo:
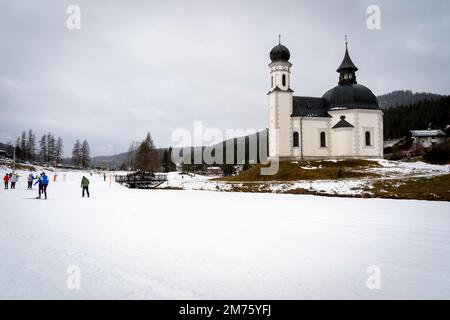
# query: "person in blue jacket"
43,184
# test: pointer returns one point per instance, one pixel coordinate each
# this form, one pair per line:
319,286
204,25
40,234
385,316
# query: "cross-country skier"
43,184
14,179
30,181
85,185
6,180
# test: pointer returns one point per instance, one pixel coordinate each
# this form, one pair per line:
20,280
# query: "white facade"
360,135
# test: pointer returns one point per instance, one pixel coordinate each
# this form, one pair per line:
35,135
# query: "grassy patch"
310,170
432,188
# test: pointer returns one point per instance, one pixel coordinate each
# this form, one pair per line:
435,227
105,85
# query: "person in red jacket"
6,180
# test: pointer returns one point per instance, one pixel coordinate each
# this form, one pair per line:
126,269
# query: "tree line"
416,116
27,148
81,154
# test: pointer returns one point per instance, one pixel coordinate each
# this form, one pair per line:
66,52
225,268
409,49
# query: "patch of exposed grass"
19,166
309,170
429,188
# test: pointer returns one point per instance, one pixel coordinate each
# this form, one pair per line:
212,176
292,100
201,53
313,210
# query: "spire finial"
279,39
346,42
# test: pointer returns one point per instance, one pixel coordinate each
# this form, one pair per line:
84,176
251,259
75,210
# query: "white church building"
346,122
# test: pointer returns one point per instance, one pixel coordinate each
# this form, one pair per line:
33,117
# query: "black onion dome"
280,53
353,96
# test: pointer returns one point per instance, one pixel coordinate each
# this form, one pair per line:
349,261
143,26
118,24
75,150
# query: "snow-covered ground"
353,187
187,244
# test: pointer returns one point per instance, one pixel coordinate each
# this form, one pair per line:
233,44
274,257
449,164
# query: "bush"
438,154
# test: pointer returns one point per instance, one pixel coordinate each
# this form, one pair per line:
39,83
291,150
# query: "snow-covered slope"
163,244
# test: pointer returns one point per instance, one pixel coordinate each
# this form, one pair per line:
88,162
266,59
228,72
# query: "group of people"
10,179
42,180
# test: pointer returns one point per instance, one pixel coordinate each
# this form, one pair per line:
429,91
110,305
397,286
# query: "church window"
284,80
323,140
368,142
350,76
346,76
296,142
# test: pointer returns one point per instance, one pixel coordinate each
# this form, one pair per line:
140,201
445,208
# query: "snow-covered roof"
427,133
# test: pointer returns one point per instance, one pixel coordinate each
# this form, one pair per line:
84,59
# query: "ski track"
177,244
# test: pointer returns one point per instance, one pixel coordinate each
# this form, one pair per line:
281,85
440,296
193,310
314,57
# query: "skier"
85,185
104,176
43,184
6,180
30,181
14,179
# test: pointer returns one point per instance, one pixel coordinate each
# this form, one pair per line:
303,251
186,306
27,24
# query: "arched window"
296,139
284,80
323,140
368,142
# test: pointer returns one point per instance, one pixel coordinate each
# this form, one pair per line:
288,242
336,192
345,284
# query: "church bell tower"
280,102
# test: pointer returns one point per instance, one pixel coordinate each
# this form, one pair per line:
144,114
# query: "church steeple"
347,69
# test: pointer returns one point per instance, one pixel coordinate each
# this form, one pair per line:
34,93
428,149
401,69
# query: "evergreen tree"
85,158
164,161
59,150
23,146
147,157
170,164
50,148
76,159
17,149
31,145
43,151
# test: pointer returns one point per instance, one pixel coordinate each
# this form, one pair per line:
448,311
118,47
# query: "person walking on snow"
85,185
14,179
30,181
6,180
43,184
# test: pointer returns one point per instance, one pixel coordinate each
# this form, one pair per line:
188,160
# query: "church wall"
309,130
284,117
343,139
363,120
371,121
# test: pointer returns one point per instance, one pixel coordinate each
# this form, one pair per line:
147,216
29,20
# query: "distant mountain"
405,97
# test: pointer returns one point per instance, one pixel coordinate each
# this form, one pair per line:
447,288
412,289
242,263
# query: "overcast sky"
139,66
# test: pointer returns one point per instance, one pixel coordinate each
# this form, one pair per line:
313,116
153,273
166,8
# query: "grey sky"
138,66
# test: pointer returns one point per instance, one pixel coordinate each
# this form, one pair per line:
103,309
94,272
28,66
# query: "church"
346,122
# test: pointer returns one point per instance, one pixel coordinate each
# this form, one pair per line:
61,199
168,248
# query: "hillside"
399,120
405,97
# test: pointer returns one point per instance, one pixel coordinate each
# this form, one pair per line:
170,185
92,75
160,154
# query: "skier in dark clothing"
104,177
85,185
30,181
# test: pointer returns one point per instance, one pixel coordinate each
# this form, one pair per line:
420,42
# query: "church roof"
350,96
343,124
347,63
309,107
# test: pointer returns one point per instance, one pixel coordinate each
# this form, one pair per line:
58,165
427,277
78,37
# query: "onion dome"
280,52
